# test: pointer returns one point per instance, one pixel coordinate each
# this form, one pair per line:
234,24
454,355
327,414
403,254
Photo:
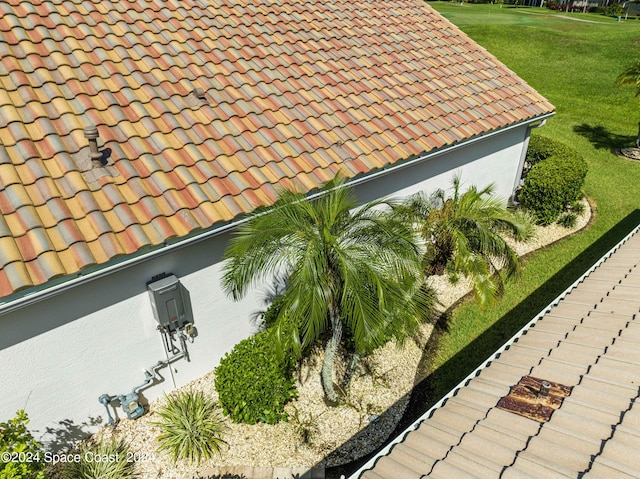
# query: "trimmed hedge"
254,383
554,181
541,148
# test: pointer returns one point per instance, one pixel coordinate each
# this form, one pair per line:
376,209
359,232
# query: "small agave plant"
192,428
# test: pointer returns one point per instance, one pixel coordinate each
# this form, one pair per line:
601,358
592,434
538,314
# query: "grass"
574,65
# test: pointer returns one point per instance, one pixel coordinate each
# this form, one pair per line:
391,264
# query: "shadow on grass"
430,386
602,138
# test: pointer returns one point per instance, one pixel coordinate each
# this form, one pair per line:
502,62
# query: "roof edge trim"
42,292
400,437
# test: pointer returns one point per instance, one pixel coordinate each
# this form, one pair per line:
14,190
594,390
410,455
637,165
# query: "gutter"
401,437
43,292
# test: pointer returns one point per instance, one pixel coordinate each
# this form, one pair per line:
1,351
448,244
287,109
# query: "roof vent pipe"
91,134
199,93
544,388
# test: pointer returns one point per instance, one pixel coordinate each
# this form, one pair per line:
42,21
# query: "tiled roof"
589,341
292,89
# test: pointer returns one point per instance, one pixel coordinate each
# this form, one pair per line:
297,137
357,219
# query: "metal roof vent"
91,161
97,158
199,93
197,97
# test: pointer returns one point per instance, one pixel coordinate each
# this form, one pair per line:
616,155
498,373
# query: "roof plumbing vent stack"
91,134
544,388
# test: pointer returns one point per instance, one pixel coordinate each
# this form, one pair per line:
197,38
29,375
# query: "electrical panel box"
167,302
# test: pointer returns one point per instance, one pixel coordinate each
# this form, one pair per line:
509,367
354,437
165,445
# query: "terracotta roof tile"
291,91
14,277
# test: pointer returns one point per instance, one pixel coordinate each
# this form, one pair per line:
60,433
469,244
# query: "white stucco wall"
59,355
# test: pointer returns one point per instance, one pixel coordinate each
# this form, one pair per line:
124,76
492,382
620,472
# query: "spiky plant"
192,427
107,459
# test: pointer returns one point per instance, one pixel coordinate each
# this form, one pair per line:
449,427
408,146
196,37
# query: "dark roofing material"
292,90
588,339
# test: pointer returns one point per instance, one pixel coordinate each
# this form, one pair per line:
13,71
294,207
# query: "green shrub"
103,460
554,182
615,10
271,314
254,382
26,461
191,426
577,207
541,148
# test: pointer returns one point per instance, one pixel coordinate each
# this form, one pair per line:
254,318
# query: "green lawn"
574,65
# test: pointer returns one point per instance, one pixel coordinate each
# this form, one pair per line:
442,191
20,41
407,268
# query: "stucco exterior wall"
59,355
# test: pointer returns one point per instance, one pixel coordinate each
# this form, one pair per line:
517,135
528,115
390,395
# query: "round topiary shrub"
553,183
254,382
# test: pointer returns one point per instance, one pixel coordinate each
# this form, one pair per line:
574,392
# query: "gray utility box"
167,302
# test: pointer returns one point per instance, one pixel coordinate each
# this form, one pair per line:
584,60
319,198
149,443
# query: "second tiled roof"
293,90
588,341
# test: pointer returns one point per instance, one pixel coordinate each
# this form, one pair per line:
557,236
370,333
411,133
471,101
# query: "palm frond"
630,77
464,233
346,264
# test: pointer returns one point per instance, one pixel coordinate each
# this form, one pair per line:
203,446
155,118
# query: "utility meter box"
167,302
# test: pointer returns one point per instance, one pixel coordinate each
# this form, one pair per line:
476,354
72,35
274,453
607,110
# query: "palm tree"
353,273
631,77
463,235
